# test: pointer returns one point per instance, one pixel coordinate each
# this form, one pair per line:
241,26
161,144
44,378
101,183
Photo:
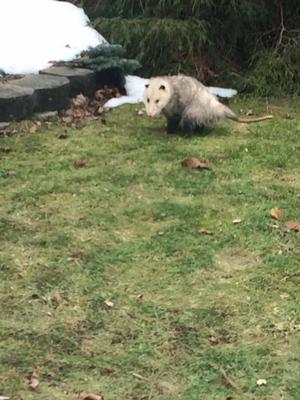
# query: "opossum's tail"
231,115
251,120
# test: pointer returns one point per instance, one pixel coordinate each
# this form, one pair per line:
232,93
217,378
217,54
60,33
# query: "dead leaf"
109,304
205,231
277,213
80,100
33,129
293,226
90,396
261,382
7,133
67,119
33,381
75,255
195,163
99,111
213,340
237,221
99,95
80,163
4,398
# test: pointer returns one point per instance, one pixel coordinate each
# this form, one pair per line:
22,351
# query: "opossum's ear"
147,85
162,87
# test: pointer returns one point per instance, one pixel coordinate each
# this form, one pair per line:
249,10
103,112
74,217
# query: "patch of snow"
34,32
134,87
221,91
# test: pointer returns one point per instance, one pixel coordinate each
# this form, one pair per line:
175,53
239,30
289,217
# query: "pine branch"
103,57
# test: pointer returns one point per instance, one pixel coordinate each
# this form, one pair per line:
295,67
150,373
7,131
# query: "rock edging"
49,90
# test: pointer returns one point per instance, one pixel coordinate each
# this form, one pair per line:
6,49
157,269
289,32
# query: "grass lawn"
109,283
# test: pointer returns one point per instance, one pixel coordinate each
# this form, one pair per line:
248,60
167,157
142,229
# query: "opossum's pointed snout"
151,114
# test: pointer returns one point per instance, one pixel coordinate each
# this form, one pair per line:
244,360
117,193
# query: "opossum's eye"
146,86
156,101
162,87
148,100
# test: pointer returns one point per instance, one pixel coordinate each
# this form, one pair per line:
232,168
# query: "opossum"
187,104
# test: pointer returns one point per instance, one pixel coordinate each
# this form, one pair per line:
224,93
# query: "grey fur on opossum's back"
192,100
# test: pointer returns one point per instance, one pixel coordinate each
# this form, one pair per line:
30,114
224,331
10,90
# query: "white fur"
185,97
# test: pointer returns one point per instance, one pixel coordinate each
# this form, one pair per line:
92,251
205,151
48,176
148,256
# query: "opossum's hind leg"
190,123
173,123
190,127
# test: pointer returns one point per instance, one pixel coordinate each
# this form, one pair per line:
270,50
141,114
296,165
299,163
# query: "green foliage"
104,50
148,8
152,41
211,39
104,57
274,73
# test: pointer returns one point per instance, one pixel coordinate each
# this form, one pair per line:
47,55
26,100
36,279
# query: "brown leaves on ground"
293,226
277,213
83,107
80,163
90,396
213,340
204,231
33,128
76,255
33,382
108,304
8,132
195,163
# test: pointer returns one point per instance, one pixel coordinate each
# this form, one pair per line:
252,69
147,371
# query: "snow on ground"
34,32
222,92
134,87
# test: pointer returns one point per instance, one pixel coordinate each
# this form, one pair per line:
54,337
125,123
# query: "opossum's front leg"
173,123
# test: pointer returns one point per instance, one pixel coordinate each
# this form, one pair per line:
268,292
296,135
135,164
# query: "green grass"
185,304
